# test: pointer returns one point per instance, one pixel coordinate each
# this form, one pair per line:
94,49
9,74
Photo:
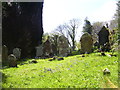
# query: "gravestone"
4,54
12,60
39,51
103,36
86,43
63,46
17,52
47,48
54,49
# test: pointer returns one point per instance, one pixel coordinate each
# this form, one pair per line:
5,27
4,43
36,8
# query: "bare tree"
71,28
69,31
61,29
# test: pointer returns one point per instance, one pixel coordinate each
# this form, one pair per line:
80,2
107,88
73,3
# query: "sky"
57,12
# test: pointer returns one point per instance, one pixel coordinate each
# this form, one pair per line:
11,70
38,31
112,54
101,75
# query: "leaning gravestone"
4,54
63,46
12,60
86,43
39,51
17,52
103,36
47,48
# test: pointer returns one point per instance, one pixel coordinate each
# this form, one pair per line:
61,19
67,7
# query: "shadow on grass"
4,77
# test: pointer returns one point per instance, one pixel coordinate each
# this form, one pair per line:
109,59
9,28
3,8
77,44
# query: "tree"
118,12
96,27
71,28
61,29
69,31
87,27
22,26
113,24
54,39
45,37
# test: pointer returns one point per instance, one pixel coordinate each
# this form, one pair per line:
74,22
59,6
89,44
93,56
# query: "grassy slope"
74,71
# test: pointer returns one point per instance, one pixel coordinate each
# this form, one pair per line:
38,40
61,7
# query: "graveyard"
72,72
32,58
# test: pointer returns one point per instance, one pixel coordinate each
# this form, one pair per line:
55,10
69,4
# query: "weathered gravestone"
103,36
63,46
86,43
17,52
47,48
12,60
54,43
54,49
39,51
4,54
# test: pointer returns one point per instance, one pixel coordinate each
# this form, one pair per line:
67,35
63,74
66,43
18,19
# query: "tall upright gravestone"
47,48
86,43
63,46
103,36
39,51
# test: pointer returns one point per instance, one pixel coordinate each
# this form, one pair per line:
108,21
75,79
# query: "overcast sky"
56,12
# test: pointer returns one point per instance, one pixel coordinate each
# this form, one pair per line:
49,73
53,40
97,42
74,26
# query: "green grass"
72,72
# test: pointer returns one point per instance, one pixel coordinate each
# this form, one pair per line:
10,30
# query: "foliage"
75,52
45,37
96,28
87,27
118,12
22,26
61,30
78,45
72,72
54,40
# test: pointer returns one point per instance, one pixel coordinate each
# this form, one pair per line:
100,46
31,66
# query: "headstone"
103,36
12,60
47,48
54,49
39,51
4,54
86,43
63,46
17,52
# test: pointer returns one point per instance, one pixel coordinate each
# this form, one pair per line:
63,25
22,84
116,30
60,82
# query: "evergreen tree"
87,27
22,26
118,10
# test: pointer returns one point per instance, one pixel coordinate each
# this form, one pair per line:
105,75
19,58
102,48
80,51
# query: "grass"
72,72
